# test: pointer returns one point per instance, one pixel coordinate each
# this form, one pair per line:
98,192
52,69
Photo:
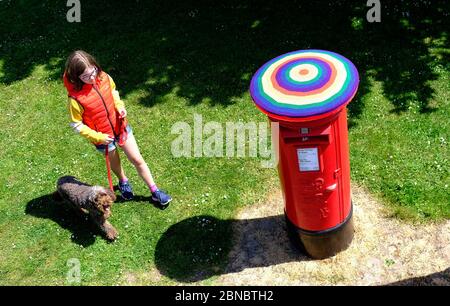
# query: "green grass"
46,149
404,158
170,63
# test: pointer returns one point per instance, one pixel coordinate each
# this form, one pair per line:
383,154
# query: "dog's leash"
108,168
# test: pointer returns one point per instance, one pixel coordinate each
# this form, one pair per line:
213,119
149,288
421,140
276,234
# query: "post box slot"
318,139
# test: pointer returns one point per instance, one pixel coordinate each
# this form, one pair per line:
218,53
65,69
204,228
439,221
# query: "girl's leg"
116,167
131,150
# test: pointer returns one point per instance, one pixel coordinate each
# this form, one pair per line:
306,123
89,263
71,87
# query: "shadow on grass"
189,250
138,199
193,249
46,207
207,51
436,279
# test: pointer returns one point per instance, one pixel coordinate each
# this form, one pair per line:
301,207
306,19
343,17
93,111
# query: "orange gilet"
99,112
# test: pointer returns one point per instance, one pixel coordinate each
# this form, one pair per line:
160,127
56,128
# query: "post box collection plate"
308,159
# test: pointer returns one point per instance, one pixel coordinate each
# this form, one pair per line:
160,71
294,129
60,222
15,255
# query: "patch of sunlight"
53,61
405,74
2,73
2,63
246,76
207,100
406,24
164,79
151,81
172,95
436,42
136,94
175,90
39,72
255,24
427,40
357,23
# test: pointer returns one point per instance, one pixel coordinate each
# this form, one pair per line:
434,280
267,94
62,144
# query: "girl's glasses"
86,77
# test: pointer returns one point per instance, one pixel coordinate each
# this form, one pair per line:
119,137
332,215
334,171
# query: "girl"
98,114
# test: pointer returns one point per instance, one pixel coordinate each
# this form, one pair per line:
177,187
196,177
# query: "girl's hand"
122,113
107,140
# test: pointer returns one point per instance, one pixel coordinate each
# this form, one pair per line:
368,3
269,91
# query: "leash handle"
108,168
123,131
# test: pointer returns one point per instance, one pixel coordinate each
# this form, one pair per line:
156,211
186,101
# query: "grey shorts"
113,145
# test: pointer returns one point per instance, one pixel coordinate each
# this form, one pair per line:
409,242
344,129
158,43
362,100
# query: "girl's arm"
118,103
76,122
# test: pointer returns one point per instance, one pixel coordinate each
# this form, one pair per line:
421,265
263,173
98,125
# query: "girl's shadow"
137,198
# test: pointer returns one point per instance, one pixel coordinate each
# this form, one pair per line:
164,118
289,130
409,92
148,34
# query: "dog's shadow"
84,231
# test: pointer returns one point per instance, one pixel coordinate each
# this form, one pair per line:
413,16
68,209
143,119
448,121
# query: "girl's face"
89,74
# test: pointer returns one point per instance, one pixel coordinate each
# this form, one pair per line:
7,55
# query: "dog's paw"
111,233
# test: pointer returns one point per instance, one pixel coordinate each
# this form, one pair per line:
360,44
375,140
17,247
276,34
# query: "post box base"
322,244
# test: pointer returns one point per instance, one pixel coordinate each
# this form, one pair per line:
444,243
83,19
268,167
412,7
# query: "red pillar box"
307,92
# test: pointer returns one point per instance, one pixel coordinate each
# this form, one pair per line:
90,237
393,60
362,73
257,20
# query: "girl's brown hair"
76,63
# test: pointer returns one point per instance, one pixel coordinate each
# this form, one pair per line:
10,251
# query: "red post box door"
312,195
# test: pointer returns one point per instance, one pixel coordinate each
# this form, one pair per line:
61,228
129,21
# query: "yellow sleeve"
76,122
118,103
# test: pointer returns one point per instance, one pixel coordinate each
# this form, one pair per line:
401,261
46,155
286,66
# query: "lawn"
171,61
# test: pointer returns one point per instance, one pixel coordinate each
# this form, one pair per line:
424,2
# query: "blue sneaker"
161,198
126,190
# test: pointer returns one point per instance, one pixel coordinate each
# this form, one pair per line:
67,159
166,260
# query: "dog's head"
103,200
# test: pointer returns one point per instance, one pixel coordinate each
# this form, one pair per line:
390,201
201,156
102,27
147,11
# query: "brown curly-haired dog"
95,201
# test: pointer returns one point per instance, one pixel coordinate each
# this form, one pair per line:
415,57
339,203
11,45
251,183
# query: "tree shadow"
193,249
356,107
436,279
207,51
46,207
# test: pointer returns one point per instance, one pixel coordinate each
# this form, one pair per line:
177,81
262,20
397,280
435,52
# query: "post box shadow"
46,207
440,279
188,251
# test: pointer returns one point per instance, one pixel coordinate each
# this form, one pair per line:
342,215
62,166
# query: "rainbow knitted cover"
304,83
